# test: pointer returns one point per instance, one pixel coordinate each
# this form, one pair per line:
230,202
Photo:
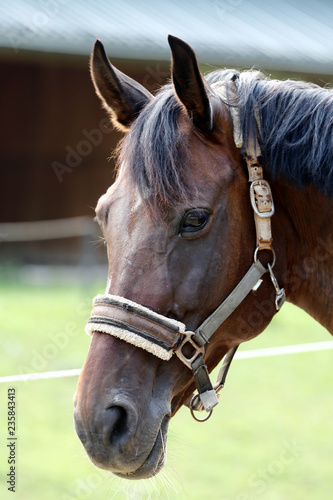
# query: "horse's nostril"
119,425
119,421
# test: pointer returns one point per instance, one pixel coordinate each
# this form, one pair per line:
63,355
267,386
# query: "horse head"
178,224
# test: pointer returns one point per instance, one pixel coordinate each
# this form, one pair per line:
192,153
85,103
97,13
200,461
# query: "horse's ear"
121,96
189,84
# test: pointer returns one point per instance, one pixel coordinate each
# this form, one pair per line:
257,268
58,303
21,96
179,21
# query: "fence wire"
254,353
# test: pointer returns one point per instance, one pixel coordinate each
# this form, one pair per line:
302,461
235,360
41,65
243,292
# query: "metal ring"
255,257
197,396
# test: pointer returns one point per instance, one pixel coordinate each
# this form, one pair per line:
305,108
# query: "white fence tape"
71,227
286,349
38,376
254,353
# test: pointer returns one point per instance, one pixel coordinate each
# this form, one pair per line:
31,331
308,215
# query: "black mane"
295,137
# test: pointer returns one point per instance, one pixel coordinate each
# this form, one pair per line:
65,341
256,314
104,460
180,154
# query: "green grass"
270,437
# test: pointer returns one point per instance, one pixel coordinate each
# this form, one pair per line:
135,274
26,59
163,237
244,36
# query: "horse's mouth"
156,458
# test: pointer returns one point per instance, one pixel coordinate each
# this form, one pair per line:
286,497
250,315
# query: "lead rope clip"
280,294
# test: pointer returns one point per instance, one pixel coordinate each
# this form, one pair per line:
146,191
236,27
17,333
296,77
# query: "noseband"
162,336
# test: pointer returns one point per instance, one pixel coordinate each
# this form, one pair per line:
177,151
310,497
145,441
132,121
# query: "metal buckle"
196,405
257,250
261,182
189,338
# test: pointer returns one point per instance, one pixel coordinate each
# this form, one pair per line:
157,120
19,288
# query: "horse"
193,270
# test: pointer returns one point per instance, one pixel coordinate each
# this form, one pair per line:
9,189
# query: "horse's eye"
194,220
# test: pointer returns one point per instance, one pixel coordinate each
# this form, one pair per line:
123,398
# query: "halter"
162,336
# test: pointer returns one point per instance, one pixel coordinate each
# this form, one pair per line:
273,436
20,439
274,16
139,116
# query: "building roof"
292,35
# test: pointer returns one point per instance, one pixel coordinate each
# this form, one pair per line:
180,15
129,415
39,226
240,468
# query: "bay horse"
193,269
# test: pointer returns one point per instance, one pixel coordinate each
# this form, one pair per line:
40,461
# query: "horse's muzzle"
122,431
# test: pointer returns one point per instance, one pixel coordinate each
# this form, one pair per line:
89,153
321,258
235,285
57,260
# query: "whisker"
168,484
99,242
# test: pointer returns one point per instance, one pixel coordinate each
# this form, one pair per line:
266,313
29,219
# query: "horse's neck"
305,223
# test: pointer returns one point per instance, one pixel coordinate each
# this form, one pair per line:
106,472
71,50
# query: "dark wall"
55,142
55,138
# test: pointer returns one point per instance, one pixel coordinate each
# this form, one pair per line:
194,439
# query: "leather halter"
163,336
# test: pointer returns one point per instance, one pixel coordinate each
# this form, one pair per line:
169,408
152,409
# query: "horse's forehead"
103,202
209,167
122,196
115,192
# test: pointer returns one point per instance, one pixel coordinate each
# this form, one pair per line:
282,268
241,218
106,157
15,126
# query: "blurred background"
55,148
55,138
